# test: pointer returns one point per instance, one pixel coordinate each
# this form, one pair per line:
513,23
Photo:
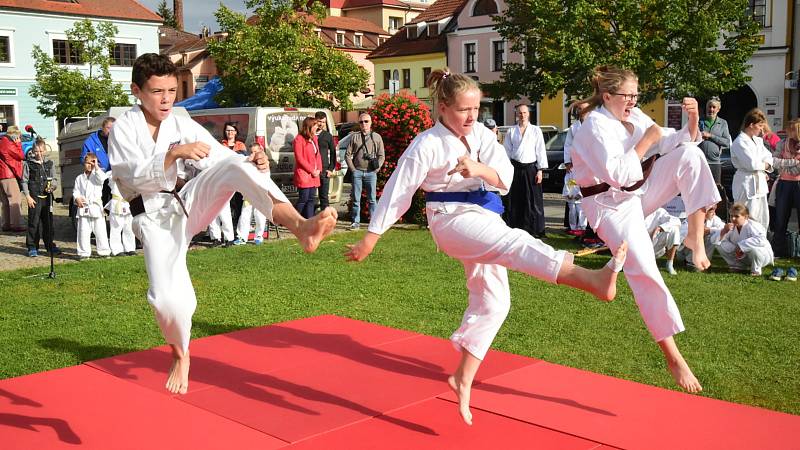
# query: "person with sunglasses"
365,156
627,167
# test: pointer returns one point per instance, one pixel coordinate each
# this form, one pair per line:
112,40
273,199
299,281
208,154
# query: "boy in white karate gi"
665,231
147,144
743,243
458,163
88,193
121,237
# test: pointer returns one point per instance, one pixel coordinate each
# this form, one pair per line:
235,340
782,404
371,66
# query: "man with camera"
365,156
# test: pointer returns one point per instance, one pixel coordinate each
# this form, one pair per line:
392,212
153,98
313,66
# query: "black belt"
647,167
137,204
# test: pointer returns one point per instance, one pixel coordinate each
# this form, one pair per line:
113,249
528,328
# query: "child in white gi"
752,161
665,231
146,146
743,242
248,213
572,192
121,237
88,193
454,162
607,158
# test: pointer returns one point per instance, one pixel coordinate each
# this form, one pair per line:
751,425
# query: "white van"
274,129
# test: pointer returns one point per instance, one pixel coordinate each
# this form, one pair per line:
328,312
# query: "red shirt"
11,157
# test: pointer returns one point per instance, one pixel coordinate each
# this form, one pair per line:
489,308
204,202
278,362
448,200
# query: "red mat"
81,406
631,415
435,424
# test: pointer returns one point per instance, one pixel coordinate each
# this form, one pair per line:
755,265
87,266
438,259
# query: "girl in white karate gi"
121,235
665,231
752,161
248,213
606,155
743,242
146,146
88,193
454,162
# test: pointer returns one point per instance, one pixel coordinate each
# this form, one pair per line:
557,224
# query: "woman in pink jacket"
307,166
11,157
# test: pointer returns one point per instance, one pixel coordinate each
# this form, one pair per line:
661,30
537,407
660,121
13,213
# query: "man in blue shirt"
97,143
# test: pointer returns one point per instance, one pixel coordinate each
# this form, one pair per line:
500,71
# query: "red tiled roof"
351,23
361,3
441,9
169,38
400,45
116,9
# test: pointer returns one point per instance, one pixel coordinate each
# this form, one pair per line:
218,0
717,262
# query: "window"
64,53
469,57
123,55
433,29
499,54
484,8
357,40
387,77
339,39
5,49
406,78
7,116
426,73
395,23
758,8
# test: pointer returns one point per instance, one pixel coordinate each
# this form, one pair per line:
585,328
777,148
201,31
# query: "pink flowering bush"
399,119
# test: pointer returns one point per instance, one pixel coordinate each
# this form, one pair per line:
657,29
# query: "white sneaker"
355,226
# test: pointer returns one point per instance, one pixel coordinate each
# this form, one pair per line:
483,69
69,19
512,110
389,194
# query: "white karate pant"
758,208
684,171
223,221
166,234
486,246
87,226
664,240
121,236
754,258
577,219
243,227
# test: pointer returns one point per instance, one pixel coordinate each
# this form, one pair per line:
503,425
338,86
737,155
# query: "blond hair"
794,127
738,209
13,131
445,86
604,79
753,116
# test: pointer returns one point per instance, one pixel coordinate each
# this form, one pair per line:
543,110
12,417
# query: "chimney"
177,10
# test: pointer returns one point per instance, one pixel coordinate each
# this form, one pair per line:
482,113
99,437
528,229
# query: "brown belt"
137,204
647,167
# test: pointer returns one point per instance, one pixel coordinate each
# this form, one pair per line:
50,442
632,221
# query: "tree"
671,45
167,14
63,92
278,60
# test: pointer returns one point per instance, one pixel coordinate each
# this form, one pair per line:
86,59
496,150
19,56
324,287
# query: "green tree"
63,92
671,45
167,14
278,60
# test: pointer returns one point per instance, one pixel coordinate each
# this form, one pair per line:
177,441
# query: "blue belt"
486,199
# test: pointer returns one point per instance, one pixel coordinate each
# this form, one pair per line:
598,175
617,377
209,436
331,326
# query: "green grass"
742,338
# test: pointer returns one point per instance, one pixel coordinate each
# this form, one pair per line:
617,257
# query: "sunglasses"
363,121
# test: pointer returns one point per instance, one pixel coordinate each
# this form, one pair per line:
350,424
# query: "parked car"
553,177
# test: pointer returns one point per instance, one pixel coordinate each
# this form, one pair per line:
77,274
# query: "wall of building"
415,63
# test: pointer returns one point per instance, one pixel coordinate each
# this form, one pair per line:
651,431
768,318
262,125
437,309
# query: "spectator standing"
752,161
88,193
327,152
524,144
786,160
716,137
97,144
37,185
307,166
232,140
492,126
249,212
365,156
11,158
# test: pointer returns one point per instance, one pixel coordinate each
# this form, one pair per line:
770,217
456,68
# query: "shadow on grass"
82,352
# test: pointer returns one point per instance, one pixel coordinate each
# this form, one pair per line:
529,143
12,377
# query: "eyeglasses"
627,97
363,121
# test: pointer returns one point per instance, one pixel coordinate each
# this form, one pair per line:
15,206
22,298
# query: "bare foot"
604,285
683,376
699,258
178,380
462,392
314,230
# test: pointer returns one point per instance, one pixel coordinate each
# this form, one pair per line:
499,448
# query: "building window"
758,8
64,53
340,39
357,40
381,40
7,116
123,55
387,77
469,57
5,49
406,78
484,8
426,73
499,55
395,23
433,29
